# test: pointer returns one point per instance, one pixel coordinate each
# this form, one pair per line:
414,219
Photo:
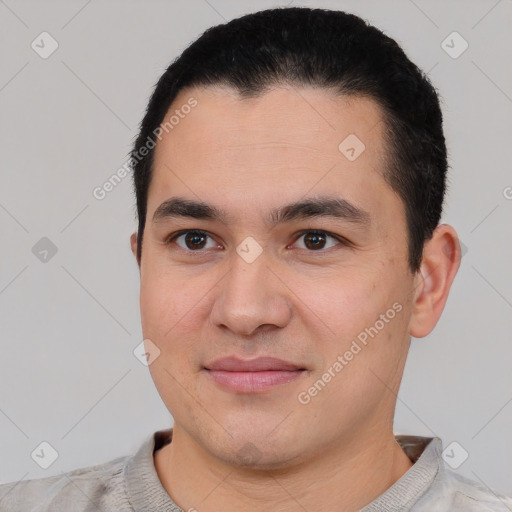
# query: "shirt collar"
146,493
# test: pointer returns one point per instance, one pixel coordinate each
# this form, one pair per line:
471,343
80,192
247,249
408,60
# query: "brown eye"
314,241
317,240
193,240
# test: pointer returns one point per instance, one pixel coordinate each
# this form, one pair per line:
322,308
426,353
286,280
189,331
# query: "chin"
246,449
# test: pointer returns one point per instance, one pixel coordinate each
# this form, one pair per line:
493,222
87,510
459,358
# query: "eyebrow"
305,209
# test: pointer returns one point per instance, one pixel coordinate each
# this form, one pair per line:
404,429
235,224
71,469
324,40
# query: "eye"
192,240
316,240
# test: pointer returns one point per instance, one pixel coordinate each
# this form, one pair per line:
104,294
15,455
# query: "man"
289,173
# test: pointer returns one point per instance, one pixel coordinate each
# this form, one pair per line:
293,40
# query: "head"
289,175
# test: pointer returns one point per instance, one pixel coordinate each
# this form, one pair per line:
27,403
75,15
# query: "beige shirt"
131,484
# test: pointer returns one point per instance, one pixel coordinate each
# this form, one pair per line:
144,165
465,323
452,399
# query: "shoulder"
432,485
91,488
456,493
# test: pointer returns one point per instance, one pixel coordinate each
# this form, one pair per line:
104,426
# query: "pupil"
197,240
316,240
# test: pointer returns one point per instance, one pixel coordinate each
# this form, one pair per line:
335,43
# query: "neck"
344,479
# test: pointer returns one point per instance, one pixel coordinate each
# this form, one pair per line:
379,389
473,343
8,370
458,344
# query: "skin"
302,304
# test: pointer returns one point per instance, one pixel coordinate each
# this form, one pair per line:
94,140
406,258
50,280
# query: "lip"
252,376
260,364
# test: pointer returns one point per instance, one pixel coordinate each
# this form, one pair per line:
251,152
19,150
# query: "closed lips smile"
252,376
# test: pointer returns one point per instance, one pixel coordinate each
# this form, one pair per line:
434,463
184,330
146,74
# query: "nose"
251,298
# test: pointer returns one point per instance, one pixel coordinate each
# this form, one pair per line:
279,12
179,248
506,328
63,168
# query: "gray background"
68,375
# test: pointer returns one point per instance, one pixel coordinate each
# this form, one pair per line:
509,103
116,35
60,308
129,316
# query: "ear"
439,265
133,243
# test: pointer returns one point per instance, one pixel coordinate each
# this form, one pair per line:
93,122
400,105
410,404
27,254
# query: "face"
301,256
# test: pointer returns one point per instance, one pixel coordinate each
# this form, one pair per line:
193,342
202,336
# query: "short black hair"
325,49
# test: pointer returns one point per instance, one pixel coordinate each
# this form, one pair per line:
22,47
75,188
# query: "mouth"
252,376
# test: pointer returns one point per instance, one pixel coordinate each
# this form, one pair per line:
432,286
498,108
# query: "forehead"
287,141
290,118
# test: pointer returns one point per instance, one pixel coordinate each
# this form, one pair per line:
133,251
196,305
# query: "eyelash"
342,241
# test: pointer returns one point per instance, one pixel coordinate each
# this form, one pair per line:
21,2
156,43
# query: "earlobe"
441,260
133,244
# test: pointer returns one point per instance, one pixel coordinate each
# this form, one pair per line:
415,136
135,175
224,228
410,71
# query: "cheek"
347,303
360,314
161,305
171,308
174,302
